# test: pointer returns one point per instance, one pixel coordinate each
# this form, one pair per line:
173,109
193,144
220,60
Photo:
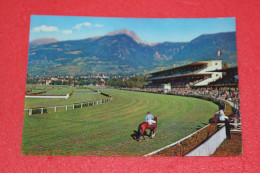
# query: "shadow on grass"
136,134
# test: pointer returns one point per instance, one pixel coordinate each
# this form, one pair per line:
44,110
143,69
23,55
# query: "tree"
225,65
131,82
94,82
31,81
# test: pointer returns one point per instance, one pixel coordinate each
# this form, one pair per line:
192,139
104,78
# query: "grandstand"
230,78
196,74
205,78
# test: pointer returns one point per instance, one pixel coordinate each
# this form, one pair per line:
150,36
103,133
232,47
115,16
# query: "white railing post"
66,107
81,105
73,106
41,110
30,111
55,109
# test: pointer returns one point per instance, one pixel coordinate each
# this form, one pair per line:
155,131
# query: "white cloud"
98,25
45,28
66,31
86,24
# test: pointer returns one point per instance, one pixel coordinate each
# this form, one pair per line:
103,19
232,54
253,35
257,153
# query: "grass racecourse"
106,129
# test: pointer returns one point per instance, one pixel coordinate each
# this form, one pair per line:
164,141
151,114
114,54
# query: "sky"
151,30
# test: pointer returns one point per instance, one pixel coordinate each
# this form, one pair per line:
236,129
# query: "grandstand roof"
189,65
181,76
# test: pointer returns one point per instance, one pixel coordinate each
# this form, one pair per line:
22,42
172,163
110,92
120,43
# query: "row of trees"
115,82
79,82
131,82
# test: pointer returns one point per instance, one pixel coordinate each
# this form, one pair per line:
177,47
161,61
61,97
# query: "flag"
219,53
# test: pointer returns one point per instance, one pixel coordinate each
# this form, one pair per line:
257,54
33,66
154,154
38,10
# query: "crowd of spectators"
225,93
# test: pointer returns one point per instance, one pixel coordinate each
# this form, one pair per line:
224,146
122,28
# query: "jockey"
222,116
149,118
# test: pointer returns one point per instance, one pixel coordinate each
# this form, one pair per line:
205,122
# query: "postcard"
103,86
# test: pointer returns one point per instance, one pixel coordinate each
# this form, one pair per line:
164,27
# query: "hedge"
38,110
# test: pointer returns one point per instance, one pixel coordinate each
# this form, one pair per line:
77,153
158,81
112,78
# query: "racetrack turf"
106,129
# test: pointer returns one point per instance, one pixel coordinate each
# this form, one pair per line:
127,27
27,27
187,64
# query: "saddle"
151,126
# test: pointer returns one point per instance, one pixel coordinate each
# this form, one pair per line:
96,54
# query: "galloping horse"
144,126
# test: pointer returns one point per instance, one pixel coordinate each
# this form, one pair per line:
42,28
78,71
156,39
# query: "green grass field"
42,87
105,130
58,90
84,90
75,98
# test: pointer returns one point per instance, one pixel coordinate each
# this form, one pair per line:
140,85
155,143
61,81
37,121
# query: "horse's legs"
151,134
139,136
143,134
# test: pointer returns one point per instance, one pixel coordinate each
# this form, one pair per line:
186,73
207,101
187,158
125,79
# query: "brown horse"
144,126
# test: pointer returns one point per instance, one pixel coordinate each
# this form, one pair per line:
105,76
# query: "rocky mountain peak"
41,41
131,34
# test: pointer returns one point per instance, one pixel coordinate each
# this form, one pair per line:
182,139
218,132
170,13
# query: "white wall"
166,88
50,97
212,65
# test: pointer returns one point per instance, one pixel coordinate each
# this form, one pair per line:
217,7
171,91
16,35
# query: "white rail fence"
76,105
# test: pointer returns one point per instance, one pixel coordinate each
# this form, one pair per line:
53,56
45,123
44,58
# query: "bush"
77,105
85,104
106,94
38,110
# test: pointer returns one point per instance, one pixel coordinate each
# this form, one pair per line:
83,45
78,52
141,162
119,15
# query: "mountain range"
124,53
42,41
